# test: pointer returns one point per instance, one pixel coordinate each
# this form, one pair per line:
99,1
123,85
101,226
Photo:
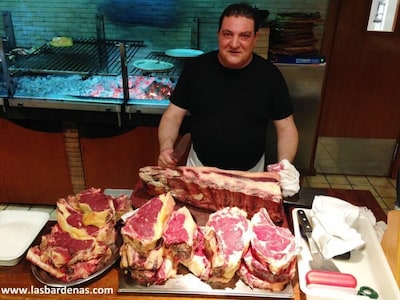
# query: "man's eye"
245,36
227,34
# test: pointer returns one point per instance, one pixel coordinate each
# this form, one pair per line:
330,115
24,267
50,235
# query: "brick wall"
35,22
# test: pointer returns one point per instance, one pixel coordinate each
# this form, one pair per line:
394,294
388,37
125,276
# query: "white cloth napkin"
334,221
290,177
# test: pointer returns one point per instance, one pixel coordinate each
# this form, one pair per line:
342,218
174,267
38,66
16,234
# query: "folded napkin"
290,177
334,221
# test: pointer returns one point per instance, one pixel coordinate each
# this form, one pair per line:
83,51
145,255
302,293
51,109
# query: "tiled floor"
383,189
359,164
354,156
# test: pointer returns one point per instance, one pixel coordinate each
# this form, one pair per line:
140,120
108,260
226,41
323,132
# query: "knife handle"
331,278
303,221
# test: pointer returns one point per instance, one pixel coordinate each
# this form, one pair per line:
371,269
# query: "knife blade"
181,147
318,262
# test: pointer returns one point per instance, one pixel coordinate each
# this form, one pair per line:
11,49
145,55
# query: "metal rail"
9,83
85,56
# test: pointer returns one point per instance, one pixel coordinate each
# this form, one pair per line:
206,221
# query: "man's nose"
235,41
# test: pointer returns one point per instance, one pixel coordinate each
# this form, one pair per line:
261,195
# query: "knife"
323,271
318,262
181,147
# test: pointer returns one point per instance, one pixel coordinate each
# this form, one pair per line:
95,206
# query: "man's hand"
290,177
166,159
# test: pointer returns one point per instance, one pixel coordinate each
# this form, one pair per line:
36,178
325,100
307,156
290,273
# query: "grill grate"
175,72
85,56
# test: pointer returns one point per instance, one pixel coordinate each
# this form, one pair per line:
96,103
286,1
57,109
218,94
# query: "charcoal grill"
64,76
150,106
85,56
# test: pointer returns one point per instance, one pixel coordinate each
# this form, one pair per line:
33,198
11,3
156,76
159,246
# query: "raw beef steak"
275,247
179,233
71,220
145,227
199,264
227,237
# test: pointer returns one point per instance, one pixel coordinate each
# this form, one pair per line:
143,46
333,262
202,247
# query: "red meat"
199,264
144,228
213,189
82,240
275,247
179,233
67,258
227,237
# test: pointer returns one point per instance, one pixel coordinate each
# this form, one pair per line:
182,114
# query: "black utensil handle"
303,221
343,256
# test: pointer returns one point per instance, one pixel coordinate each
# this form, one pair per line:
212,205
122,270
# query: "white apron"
194,161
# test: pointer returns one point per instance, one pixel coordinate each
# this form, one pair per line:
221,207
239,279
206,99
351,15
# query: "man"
231,95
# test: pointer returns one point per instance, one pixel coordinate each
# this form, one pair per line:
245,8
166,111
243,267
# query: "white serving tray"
368,265
18,229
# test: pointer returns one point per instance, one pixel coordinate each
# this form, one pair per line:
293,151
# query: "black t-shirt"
230,109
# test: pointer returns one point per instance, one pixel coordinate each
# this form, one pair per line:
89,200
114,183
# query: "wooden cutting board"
391,243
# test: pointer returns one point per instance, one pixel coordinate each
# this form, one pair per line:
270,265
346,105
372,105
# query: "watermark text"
47,290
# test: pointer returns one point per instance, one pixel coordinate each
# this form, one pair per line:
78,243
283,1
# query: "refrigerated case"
305,83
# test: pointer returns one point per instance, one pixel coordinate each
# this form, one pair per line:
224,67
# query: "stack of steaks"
158,238
84,237
241,238
143,252
292,34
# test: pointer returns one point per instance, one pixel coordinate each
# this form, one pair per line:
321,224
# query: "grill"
92,74
85,56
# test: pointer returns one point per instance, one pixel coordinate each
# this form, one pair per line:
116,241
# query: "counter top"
20,276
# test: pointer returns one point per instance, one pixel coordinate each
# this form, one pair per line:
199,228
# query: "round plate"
152,65
48,280
183,52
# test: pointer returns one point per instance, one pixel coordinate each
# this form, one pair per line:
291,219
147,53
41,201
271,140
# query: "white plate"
152,65
368,265
18,229
183,52
48,280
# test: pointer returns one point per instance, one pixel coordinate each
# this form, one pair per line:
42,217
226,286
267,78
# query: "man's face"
236,41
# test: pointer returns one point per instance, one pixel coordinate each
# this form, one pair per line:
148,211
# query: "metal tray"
48,280
187,283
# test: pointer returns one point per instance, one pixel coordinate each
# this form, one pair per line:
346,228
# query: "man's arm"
287,138
168,130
